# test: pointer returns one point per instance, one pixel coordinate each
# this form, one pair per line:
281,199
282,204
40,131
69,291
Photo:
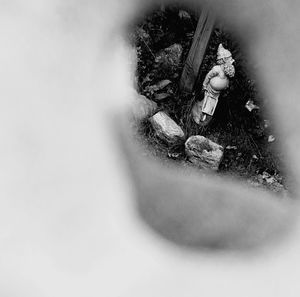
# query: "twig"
255,144
148,47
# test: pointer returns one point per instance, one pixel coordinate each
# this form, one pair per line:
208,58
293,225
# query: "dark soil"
249,153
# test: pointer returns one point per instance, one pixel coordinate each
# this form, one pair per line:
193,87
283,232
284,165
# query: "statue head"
224,55
224,58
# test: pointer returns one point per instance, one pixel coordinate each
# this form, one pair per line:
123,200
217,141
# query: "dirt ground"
252,149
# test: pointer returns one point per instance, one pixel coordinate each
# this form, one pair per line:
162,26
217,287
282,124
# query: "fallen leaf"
162,84
183,14
161,96
265,175
173,155
271,138
231,147
251,106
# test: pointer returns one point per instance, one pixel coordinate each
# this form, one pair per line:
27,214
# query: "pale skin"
69,225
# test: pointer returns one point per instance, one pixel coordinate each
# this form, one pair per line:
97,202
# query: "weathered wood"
193,62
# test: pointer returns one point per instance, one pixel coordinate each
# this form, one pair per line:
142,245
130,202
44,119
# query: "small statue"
216,80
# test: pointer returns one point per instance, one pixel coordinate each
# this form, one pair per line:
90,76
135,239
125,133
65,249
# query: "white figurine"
216,80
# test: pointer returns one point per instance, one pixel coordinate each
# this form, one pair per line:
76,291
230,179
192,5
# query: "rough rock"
143,108
165,128
170,57
203,152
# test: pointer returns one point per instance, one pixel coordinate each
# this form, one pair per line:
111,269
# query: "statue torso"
221,81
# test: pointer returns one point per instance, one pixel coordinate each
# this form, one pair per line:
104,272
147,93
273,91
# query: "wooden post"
193,62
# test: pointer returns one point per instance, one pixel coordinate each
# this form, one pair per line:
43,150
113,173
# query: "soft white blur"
68,226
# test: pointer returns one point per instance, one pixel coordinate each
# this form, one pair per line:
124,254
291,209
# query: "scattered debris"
173,155
268,177
251,106
273,182
266,123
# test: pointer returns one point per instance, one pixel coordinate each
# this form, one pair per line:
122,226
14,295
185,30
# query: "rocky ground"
241,124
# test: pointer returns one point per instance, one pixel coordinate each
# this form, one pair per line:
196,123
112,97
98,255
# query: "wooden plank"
193,62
